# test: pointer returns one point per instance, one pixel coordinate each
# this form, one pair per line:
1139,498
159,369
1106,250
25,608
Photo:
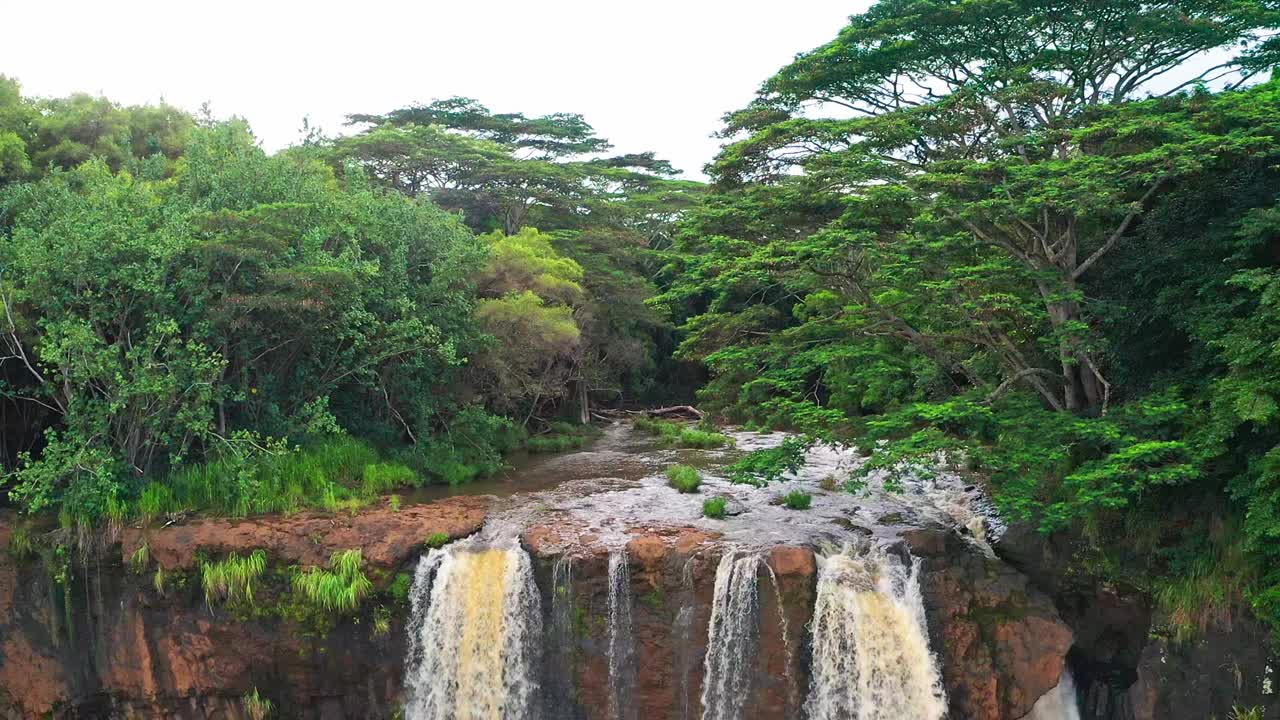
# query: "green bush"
684,478
400,587
437,540
797,500
670,433
338,590
762,467
714,508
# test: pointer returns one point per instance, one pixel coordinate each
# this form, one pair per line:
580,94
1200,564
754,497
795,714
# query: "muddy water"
617,484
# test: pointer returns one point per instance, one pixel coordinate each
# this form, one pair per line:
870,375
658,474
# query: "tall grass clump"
231,580
338,472
561,436
257,707
715,508
684,478
338,590
797,500
21,546
670,433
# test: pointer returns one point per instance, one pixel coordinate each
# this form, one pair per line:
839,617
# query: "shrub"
393,502
338,590
684,478
670,433
714,508
231,580
400,587
437,540
797,500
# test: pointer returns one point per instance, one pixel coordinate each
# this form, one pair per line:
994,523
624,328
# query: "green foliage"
400,587
21,546
671,433
797,500
140,559
560,437
381,621
714,508
1240,712
257,707
948,234
684,478
272,477
339,590
761,467
437,540
231,581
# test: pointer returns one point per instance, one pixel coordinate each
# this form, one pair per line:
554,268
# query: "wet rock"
787,560
852,527
1001,641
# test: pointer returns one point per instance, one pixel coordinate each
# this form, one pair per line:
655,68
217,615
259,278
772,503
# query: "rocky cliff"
122,648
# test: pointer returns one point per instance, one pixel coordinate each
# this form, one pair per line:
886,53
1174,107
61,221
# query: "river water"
475,636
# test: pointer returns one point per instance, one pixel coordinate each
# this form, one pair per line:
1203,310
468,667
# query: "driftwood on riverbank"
681,412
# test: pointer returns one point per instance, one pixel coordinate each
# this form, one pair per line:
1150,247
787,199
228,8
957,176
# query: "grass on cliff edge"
337,474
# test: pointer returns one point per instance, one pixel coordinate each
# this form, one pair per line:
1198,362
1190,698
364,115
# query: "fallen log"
681,411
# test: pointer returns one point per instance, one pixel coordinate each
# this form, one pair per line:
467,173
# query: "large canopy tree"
1021,134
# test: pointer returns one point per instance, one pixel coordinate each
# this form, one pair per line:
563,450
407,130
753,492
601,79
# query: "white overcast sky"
649,75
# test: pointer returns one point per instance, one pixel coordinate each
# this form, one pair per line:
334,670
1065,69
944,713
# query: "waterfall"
733,638
560,649
473,635
1059,703
622,668
871,658
683,635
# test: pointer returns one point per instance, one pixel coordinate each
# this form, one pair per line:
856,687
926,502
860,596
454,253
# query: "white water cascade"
732,638
622,670
474,635
1059,703
871,657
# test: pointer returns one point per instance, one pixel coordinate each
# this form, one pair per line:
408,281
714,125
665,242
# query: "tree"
1012,128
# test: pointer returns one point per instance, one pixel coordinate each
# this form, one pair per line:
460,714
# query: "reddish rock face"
1001,642
387,538
133,653
671,582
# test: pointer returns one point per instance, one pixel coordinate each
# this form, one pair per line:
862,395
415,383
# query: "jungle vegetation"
1036,239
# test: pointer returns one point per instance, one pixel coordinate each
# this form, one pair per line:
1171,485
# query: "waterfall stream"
1059,703
622,669
871,657
473,636
733,637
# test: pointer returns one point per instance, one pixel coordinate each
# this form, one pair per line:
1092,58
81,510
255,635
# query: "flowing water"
1059,703
871,657
733,637
473,636
622,669
476,636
